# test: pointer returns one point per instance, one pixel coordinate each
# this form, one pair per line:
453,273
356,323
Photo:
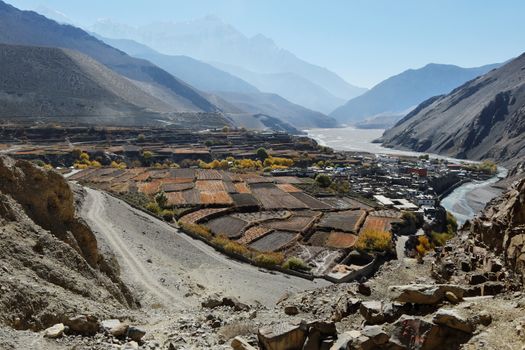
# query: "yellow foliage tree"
374,240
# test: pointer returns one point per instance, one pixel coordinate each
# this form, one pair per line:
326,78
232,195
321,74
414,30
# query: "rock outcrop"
502,227
51,268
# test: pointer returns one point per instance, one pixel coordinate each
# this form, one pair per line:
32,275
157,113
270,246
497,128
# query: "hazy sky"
365,41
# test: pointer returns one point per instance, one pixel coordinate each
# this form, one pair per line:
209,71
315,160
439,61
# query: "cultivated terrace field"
268,219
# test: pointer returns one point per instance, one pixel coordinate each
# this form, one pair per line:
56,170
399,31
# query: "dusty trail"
168,267
137,269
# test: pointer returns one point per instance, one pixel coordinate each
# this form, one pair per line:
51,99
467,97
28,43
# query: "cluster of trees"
487,167
230,163
83,162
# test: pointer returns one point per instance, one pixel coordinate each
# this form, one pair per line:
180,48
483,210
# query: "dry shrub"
237,248
424,245
230,246
153,207
269,259
439,239
374,240
197,229
295,263
220,240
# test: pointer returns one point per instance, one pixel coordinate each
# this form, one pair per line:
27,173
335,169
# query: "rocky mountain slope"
211,40
51,267
31,29
52,82
482,119
502,227
406,90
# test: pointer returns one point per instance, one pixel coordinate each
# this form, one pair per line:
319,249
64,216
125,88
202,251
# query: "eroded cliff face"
502,226
50,266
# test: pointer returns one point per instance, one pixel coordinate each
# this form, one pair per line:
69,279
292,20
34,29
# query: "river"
464,202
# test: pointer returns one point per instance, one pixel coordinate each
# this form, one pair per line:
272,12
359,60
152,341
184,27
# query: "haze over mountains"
390,100
28,28
172,94
482,119
232,95
211,40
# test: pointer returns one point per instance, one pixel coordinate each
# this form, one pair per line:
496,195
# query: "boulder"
326,329
372,312
235,304
364,289
453,298
377,312
452,319
212,303
483,318
477,278
492,288
83,324
282,336
291,310
239,343
414,333
115,327
135,333
425,294
55,331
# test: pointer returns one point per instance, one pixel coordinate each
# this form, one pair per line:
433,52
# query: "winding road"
165,266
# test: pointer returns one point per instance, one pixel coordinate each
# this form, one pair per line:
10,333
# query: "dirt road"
165,266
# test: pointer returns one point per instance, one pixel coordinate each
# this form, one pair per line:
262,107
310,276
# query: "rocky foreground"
59,291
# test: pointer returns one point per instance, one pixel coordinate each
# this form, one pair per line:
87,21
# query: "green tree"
262,154
323,180
161,199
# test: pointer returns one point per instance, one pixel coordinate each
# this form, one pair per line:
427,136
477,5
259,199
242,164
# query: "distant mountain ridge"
203,76
31,29
406,90
291,86
231,94
482,119
211,40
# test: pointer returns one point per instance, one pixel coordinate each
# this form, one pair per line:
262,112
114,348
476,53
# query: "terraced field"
378,223
265,213
271,197
274,241
347,221
227,225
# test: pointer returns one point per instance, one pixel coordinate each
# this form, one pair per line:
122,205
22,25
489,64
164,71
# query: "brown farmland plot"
271,197
227,225
348,221
274,241
340,240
